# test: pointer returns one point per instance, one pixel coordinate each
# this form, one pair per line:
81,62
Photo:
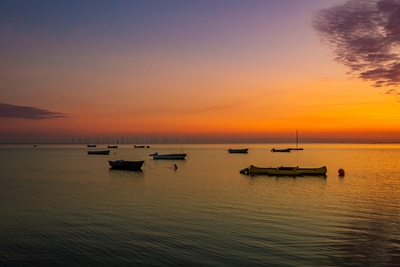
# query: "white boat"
168,156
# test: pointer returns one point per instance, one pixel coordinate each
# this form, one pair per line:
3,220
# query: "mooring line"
147,165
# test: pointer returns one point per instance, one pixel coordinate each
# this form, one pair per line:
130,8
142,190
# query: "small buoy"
341,172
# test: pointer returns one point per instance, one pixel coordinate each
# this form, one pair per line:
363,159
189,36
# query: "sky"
200,71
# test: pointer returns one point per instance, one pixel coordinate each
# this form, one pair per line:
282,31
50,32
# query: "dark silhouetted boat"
297,142
91,145
168,156
112,146
98,152
126,164
281,150
240,150
135,146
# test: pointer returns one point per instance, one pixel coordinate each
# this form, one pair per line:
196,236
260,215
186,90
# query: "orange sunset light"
256,76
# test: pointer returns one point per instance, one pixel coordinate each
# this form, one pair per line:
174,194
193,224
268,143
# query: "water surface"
62,207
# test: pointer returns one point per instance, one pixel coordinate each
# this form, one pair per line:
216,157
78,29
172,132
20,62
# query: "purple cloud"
365,37
30,113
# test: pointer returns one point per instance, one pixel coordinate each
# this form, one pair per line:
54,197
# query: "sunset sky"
207,71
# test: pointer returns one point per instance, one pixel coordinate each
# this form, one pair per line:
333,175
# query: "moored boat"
135,146
98,152
281,150
91,145
240,150
126,164
297,142
286,171
112,146
168,156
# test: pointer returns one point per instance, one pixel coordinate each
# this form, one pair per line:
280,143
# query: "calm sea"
62,207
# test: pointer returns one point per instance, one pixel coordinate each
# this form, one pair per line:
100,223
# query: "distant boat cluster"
251,170
106,152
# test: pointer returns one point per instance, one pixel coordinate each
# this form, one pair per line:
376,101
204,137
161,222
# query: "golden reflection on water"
207,205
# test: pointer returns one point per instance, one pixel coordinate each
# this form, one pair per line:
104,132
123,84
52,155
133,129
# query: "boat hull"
168,156
281,150
242,151
126,165
99,152
284,171
112,146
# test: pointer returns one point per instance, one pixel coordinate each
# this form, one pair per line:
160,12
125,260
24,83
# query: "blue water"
62,207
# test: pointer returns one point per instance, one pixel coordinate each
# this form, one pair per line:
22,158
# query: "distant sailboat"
297,142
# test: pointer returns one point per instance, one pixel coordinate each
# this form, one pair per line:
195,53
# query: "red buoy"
341,172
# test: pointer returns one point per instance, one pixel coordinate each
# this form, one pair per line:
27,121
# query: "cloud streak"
30,113
365,37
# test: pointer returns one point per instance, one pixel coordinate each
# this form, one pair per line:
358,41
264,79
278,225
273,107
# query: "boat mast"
297,139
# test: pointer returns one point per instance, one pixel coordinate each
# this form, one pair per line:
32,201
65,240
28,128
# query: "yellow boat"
284,171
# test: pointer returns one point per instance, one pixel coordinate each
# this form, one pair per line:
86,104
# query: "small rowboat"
99,152
126,164
168,156
281,150
241,150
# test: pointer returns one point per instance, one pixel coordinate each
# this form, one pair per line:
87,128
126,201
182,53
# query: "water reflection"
368,241
125,171
61,202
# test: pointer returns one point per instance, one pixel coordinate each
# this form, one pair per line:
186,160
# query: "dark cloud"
365,37
31,113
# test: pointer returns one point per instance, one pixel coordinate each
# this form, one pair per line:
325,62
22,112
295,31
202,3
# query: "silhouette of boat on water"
240,150
112,146
98,152
135,146
281,150
289,149
91,145
126,164
168,156
297,142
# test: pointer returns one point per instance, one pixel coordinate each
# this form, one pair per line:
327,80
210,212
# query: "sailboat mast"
297,139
